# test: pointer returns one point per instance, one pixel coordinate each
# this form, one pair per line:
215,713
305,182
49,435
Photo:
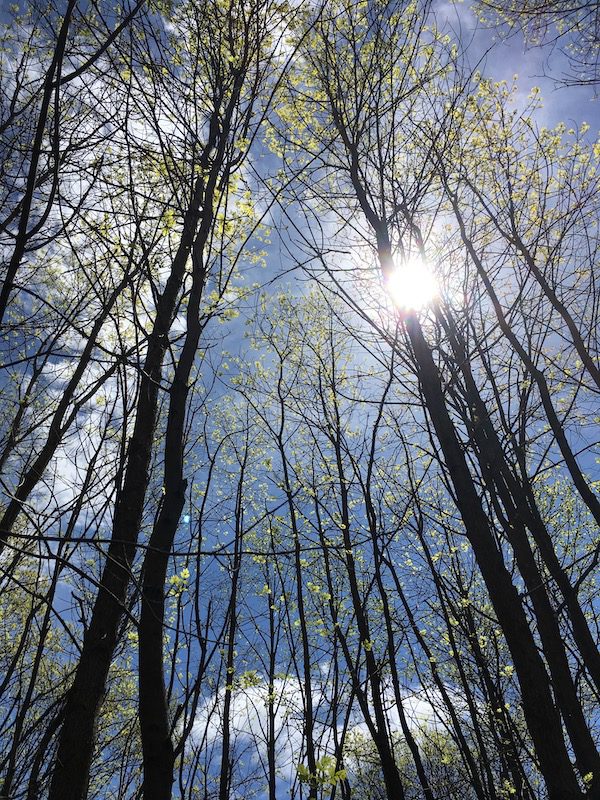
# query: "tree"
570,26
330,538
360,160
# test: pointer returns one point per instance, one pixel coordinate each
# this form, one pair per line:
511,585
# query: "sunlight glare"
412,285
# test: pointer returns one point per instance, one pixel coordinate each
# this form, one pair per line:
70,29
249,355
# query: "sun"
412,285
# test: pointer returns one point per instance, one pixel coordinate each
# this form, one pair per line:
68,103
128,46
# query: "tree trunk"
77,736
540,712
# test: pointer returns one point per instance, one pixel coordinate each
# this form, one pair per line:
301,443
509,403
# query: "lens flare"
412,285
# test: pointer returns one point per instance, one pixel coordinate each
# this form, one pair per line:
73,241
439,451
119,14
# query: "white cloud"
424,709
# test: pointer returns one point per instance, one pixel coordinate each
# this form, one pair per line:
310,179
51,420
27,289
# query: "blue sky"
541,66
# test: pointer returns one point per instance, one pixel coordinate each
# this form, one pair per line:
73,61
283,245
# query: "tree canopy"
300,356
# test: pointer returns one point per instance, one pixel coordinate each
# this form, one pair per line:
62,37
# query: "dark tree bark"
524,496
219,161
540,712
77,735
